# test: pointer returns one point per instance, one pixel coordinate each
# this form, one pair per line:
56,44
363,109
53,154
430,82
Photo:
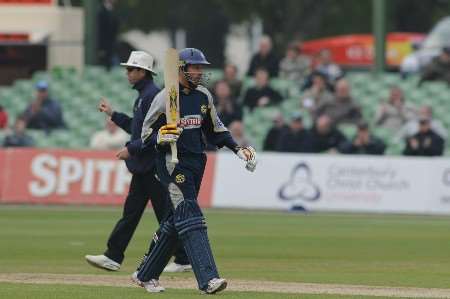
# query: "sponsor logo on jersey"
191,122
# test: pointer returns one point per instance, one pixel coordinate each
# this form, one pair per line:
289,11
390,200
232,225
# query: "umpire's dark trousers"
142,188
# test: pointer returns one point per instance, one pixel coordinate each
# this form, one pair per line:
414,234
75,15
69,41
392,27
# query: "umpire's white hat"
141,60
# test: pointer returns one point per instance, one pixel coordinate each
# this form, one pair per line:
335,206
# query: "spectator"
438,69
272,138
426,142
364,143
324,137
3,118
111,138
237,131
294,66
44,112
226,106
295,138
342,109
412,127
326,65
317,93
18,137
230,76
108,30
265,58
262,94
394,113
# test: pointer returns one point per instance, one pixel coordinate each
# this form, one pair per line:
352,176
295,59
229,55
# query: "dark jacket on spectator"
294,142
50,116
16,140
430,144
340,111
375,146
141,159
270,63
322,143
436,70
272,138
254,94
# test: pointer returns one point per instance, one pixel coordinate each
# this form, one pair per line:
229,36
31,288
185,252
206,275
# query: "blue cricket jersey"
198,117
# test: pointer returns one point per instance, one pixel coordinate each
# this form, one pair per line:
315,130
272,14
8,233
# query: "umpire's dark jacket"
141,159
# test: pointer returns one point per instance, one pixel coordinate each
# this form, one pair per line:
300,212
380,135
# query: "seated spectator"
236,129
394,113
272,138
18,137
295,138
262,94
226,106
111,138
230,75
438,69
426,142
364,143
342,109
3,118
326,66
324,137
44,112
294,66
412,127
317,93
265,58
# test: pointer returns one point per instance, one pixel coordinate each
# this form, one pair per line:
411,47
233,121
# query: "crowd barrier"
281,181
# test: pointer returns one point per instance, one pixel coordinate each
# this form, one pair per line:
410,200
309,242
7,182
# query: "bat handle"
173,148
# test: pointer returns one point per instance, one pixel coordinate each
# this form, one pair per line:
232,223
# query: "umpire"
140,162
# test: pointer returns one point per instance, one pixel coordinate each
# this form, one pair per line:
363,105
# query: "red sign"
358,49
28,2
72,177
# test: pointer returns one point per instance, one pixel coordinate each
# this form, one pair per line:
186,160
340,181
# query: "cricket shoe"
176,268
152,286
215,285
136,280
102,262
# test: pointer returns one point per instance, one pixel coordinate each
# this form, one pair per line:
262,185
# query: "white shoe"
102,262
152,286
215,285
175,268
136,280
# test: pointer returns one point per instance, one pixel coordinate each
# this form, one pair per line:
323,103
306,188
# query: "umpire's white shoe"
102,262
175,268
152,286
215,285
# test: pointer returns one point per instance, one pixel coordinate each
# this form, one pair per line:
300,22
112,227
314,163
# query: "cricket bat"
171,65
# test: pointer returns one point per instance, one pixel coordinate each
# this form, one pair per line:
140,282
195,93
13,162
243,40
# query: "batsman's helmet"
192,56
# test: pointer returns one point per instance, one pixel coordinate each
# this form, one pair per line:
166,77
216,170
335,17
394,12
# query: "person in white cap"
141,163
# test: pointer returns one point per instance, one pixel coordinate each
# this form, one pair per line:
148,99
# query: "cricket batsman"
185,221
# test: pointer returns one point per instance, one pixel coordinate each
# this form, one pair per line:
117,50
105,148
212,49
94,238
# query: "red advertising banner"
72,177
28,2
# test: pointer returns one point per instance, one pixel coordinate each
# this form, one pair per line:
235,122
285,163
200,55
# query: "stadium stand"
79,94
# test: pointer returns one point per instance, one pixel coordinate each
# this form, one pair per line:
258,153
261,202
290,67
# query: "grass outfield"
376,250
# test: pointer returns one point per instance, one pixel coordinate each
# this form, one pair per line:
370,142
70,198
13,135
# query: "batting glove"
248,154
168,133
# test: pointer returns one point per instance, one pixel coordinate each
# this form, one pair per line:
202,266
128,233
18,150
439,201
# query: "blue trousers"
185,221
